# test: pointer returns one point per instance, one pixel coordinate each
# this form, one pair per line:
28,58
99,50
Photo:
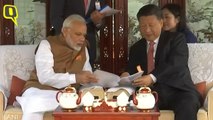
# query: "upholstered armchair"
16,60
201,68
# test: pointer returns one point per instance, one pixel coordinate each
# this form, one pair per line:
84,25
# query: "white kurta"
34,102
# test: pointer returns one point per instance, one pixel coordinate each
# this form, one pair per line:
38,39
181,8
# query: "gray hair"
70,19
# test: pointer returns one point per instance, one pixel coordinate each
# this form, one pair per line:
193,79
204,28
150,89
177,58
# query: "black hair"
148,10
177,11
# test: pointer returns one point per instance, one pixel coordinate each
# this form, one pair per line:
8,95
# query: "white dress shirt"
155,49
44,65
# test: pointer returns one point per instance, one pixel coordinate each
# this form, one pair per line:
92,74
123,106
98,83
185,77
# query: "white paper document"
108,11
126,81
107,79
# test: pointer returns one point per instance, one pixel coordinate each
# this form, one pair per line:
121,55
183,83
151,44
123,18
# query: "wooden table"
131,114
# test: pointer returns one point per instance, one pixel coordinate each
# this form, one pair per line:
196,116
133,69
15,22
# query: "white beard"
72,45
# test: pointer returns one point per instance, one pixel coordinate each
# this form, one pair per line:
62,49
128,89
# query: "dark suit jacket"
60,9
171,61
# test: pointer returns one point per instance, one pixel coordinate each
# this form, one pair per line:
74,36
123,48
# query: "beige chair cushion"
169,115
15,113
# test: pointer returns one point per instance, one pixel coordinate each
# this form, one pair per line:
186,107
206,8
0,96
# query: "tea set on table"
143,99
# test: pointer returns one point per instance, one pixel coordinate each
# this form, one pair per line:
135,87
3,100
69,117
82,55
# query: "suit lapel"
143,60
160,47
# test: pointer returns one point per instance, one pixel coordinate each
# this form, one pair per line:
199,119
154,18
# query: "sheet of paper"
127,81
108,11
107,79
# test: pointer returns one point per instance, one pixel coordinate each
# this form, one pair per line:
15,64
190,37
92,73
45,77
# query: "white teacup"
122,99
88,99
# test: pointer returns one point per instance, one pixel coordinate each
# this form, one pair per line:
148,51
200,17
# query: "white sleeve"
87,66
154,79
44,65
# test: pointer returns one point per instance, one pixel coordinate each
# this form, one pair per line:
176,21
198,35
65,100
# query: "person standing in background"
88,9
175,20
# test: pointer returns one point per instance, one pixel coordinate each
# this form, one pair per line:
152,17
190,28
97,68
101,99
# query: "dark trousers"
91,37
185,104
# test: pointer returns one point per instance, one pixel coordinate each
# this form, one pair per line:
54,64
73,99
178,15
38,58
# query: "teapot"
145,98
68,98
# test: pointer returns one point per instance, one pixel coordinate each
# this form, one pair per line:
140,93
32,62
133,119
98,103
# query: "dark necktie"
150,57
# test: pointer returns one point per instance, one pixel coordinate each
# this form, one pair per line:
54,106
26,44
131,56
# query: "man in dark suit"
169,75
88,9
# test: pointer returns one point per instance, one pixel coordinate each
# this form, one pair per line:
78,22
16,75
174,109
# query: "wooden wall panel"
6,25
114,39
1,22
106,44
121,35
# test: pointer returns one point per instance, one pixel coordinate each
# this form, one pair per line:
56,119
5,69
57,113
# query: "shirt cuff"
98,25
154,79
72,78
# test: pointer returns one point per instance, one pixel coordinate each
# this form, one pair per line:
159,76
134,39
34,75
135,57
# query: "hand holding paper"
108,11
145,80
107,79
129,79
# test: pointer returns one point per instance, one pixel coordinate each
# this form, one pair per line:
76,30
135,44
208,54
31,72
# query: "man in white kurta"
55,74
